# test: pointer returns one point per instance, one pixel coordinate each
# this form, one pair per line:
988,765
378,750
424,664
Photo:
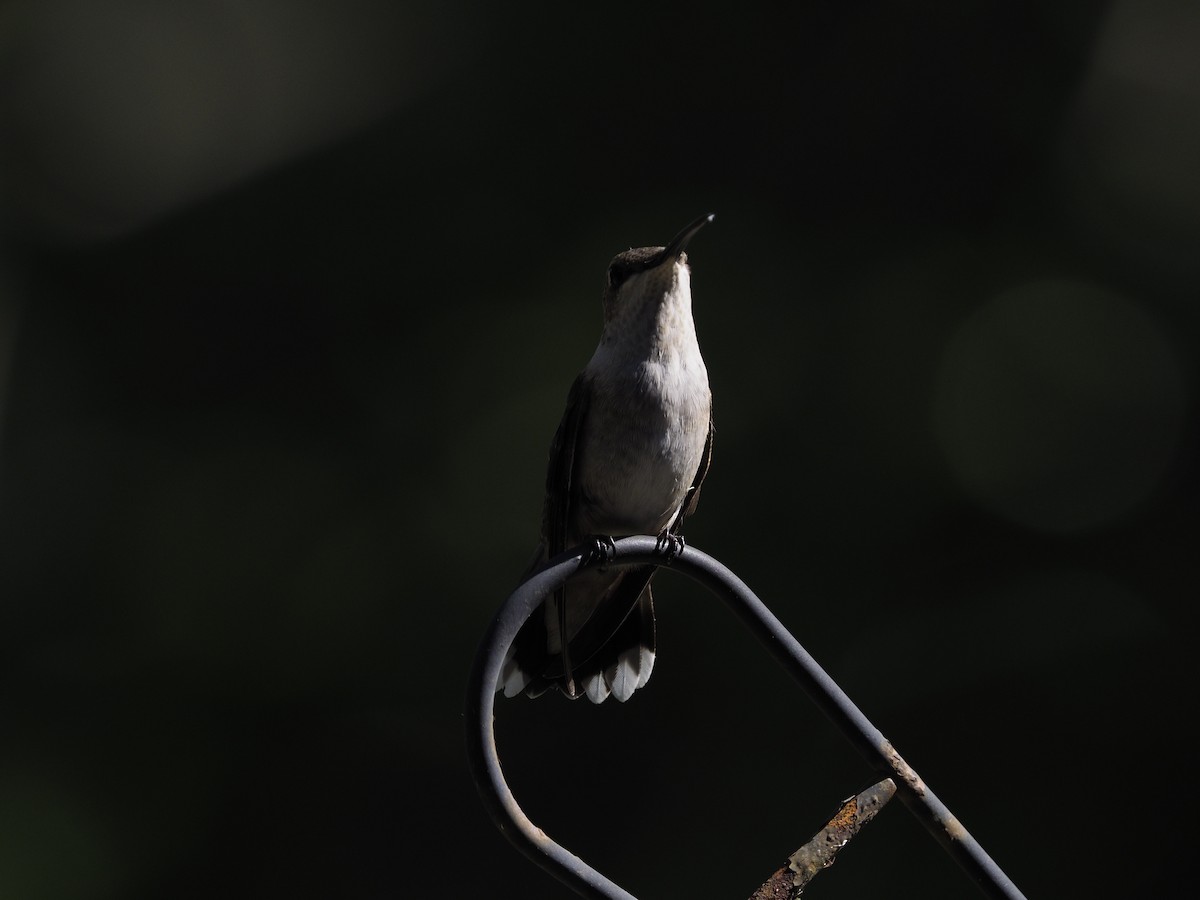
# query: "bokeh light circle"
1059,406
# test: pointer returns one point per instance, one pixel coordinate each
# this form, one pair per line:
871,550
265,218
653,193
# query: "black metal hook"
833,701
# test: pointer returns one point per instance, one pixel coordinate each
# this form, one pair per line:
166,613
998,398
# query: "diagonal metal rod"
833,701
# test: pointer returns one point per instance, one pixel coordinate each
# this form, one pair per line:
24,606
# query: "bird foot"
602,551
670,545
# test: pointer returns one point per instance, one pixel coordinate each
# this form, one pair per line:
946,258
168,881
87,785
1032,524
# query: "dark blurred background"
291,294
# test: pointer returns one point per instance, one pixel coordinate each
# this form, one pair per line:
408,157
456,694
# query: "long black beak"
680,241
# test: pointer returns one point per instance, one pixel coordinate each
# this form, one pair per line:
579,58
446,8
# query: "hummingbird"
629,457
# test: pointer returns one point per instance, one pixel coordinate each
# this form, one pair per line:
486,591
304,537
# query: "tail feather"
613,651
635,658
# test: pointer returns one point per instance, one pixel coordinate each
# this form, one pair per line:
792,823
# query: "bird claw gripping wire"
601,552
669,545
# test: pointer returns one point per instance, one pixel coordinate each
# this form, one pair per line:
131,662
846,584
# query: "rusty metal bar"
833,701
819,853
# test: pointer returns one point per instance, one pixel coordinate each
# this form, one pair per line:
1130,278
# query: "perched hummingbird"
629,457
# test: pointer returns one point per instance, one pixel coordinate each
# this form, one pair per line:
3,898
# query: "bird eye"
616,274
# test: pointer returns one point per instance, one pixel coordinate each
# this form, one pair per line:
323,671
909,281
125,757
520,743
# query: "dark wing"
562,492
562,486
693,494
590,644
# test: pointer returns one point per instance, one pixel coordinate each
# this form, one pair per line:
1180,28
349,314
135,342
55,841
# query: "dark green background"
280,386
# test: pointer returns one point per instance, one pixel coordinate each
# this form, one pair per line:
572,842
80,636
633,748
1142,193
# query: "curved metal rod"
640,550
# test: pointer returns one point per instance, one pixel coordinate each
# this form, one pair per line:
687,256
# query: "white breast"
642,444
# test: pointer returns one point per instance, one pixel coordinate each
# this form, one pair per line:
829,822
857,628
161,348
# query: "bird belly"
638,463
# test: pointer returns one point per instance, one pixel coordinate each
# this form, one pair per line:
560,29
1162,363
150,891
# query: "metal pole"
833,701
